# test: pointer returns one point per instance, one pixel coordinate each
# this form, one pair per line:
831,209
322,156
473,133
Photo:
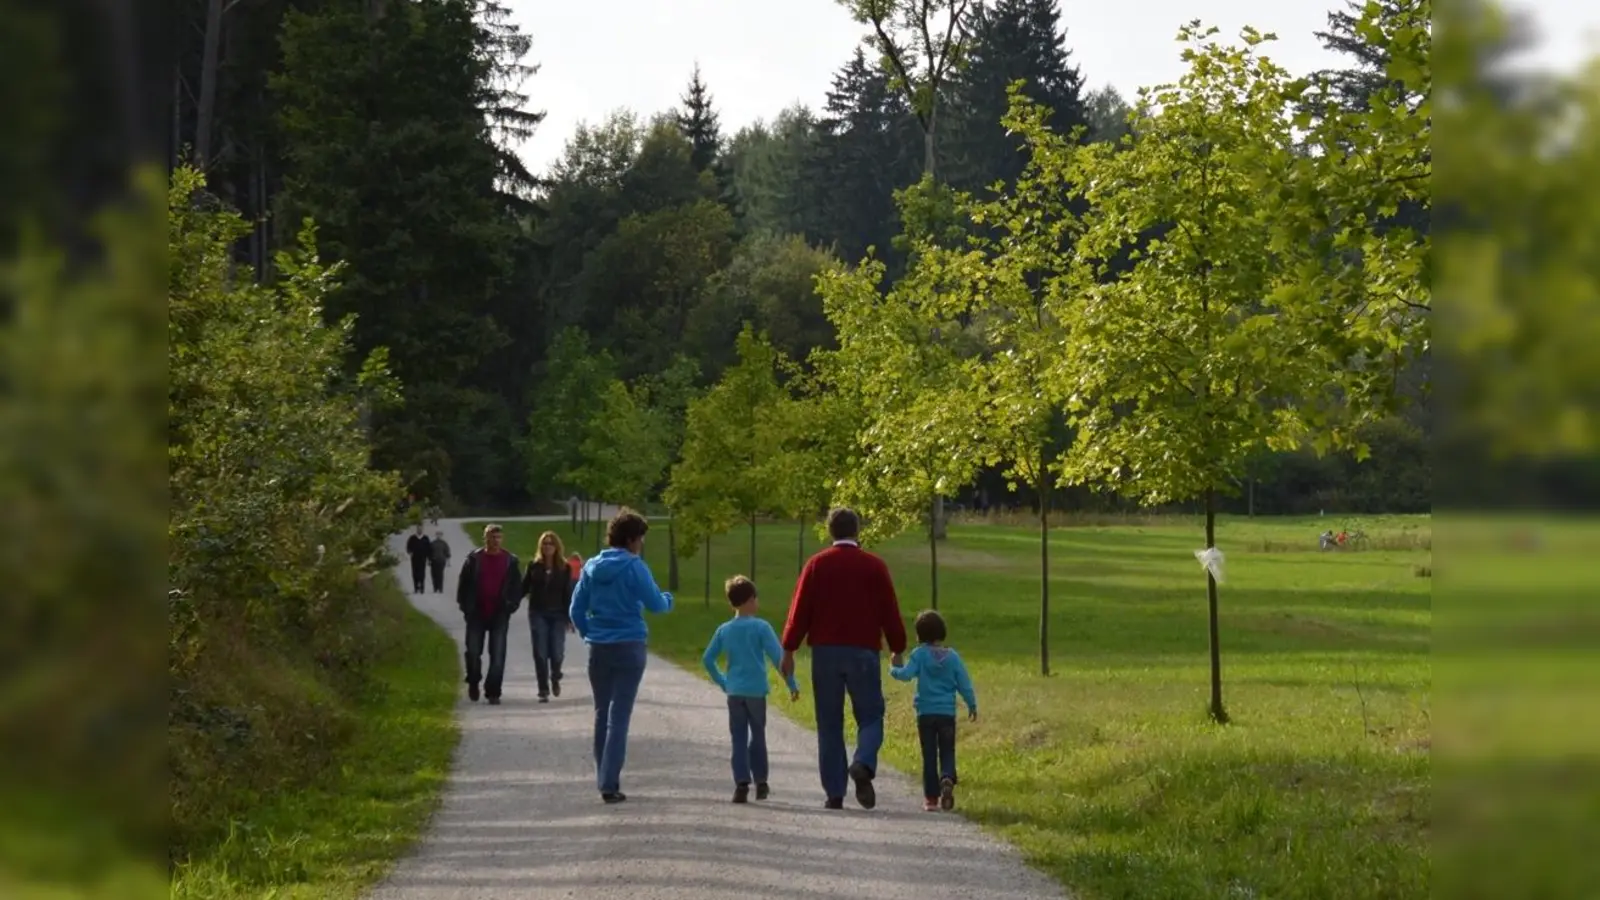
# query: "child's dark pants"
938,735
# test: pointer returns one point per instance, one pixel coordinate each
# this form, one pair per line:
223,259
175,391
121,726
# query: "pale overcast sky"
759,56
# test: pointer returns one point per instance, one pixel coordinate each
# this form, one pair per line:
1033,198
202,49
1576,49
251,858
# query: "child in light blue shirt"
940,675
750,644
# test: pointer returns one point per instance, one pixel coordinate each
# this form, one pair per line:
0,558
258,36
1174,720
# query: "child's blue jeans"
747,723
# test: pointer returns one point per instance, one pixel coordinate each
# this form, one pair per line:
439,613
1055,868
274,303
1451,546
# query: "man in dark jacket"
420,549
488,593
438,560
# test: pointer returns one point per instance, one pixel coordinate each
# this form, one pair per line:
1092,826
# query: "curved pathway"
521,819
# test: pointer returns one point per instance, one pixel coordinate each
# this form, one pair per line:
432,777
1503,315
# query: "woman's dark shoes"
494,701
472,693
555,687
741,793
762,790
613,797
544,698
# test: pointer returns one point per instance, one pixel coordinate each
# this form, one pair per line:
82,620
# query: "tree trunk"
1251,511
938,527
1218,714
208,84
708,571
672,557
177,117
752,575
929,161
1044,568
572,513
933,563
599,532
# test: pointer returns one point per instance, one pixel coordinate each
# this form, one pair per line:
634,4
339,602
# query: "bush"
275,516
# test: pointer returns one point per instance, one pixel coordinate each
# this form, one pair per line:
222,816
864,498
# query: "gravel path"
521,818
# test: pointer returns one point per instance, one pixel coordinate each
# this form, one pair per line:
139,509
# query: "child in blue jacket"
940,675
750,644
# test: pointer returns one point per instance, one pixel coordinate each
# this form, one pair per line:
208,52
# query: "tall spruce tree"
1011,40
868,147
698,122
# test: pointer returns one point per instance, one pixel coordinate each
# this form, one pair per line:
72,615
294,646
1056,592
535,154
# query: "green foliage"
726,473
625,446
274,512
770,284
576,380
902,355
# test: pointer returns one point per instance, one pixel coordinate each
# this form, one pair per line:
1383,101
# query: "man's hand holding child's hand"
794,696
972,715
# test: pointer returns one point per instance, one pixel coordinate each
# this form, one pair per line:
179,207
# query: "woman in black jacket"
548,587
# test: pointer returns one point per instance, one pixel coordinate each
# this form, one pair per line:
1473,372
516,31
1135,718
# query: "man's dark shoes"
762,791
741,792
555,687
495,701
947,793
544,698
865,795
833,803
613,797
472,693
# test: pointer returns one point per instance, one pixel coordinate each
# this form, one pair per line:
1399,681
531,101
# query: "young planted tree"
722,474
670,393
920,434
801,464
624,448
1200,354
575,377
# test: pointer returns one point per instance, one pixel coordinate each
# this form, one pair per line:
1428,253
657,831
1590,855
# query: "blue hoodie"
613,592
940,674
750,644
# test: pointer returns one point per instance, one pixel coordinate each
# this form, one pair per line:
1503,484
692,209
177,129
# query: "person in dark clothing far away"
608,608
845,608
488,593
438,560
548,587
420,549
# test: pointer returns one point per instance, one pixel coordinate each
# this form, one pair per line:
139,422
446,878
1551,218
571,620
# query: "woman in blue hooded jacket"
608,606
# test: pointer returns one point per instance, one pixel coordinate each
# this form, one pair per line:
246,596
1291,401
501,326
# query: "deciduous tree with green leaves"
906,357
574,380
1206,349
624,448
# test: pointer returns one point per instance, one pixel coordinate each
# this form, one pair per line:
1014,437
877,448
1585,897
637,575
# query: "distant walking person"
488,592
548,587
608,607
750,644
845,607
940,675
438,560
420,549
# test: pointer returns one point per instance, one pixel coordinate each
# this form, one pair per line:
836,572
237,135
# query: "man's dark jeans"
938,734
494,633
419,573
549,647
836,672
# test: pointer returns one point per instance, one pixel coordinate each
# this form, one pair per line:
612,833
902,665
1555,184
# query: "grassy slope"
1106,773
342,832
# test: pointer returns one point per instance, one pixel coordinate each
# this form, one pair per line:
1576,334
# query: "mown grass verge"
352,800
1107,774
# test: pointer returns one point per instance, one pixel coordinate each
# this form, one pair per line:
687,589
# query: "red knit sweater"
845,598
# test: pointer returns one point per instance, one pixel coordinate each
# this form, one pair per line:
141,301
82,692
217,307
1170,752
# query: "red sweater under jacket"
845,598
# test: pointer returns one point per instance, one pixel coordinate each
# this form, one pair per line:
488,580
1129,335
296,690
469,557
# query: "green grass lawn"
337,836
1107,773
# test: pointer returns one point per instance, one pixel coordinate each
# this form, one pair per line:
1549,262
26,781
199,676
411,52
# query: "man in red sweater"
844,607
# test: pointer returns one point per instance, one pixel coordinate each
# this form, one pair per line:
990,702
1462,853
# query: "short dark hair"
844,524
740,590
625,527
930,626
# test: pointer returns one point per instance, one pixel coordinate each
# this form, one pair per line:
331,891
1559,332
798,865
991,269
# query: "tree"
920,43
1106,114
1012,40
768,164
1203,352
670,393
697,121
771,284
573,381
624,447
721,478
903,353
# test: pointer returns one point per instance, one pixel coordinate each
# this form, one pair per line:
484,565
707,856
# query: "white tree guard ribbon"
1211,559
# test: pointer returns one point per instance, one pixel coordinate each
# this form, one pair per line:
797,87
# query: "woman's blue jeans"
615,671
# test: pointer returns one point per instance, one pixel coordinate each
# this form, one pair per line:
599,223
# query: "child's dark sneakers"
833,803
741,793
762,791
613,797
930,804
947,793
862,776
